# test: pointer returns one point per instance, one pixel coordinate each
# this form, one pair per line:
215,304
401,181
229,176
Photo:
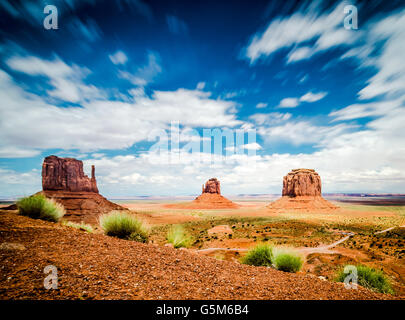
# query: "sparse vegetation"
287,260
124,226
369,278
179,237
40,207
261,255
80,226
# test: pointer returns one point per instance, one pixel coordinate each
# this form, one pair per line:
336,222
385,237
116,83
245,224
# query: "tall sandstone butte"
302,190
210,198
212,186
302,182
63,179
67,174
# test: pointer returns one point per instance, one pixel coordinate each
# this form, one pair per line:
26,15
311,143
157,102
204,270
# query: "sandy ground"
95,266
163,213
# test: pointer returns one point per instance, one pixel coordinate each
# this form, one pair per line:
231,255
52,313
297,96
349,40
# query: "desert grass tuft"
40,207
80,226
125,226
369,278
179,237
287,260
261,255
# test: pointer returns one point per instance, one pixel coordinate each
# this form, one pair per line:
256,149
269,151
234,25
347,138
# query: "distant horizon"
230,196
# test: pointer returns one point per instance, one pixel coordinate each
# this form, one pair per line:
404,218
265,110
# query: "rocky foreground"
94,266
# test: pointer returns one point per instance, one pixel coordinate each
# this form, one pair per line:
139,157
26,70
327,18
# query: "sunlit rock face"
66,174
302,182
212,186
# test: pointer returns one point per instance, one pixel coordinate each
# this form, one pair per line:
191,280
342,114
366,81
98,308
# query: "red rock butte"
212,186
302,190
67,174
211,197
63,179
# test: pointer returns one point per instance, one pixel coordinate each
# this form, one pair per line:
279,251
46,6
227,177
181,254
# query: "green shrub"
40,207
261,255
287,260
124,225
81,226
179,237
369,278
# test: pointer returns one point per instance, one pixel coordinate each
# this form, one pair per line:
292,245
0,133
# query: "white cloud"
285,32
301,133
300,54
261,105
372,109
200,85
308,97
66,80
390,77
100,124
289,103
145,74
15,183
312,97
14,152
118,57
252,146
269,118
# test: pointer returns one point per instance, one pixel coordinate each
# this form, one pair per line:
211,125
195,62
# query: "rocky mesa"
302,190
63,179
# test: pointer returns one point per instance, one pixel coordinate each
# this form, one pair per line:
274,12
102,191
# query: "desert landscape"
219,233
226,155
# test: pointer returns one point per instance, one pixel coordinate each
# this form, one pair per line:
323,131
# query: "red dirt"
207,201
94,266
302,203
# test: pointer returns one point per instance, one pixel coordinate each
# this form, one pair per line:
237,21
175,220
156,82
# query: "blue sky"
115,74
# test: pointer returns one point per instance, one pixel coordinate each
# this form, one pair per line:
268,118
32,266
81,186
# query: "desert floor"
94,266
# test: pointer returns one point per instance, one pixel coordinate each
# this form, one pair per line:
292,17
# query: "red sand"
302,203
207,201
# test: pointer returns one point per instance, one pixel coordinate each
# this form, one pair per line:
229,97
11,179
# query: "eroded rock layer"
83,206
212,186
67,174
302,191
302,182
63,179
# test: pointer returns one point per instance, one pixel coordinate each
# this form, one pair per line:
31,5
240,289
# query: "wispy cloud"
66,80
144,74
326,30
118,57
261,105
308,97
